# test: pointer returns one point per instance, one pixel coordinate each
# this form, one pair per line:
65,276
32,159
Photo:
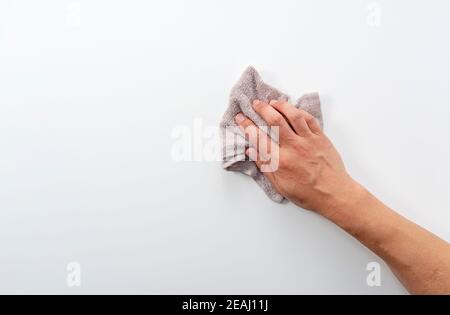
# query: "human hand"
308,169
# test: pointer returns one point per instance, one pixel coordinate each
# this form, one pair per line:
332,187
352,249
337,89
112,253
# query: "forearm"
419,259
311,174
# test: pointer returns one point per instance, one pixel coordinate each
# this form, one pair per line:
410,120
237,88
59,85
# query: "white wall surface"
91,90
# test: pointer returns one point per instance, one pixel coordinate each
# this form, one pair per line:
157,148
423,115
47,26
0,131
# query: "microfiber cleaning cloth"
251,87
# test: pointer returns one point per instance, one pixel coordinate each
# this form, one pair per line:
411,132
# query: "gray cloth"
250,87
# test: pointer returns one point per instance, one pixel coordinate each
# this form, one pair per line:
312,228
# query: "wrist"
362,215
345,201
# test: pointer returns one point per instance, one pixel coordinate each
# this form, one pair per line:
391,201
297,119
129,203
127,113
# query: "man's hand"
309,170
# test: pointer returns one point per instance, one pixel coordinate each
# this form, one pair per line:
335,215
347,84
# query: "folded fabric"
249,88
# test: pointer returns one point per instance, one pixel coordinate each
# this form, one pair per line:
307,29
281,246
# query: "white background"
91,91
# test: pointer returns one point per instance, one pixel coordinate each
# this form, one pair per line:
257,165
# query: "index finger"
257,138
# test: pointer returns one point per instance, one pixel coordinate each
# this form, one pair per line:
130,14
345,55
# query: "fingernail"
273,102
239,118
256,103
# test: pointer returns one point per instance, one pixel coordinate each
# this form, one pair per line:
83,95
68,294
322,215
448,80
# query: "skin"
310,172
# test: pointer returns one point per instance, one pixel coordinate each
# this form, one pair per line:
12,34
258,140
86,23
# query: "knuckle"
300,147
297,146
307,116
276,120
282,104
282,164
247,128
291,139
297,116
285,103
247,123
